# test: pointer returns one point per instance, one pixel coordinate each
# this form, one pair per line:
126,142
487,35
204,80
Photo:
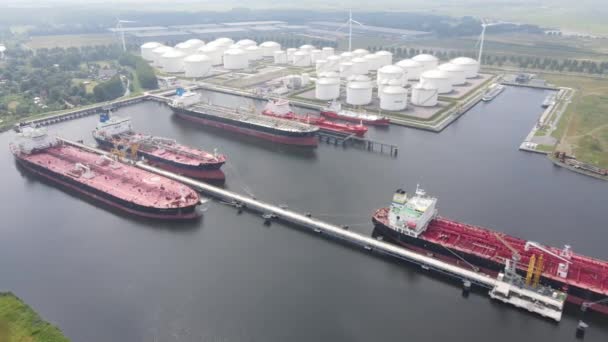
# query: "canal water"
106,277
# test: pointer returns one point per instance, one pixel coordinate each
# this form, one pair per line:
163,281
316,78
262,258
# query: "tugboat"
115,133
282,110
334,111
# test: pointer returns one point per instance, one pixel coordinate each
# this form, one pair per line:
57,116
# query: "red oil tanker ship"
188,106
167,154
281,109
334,110
102,179
412,222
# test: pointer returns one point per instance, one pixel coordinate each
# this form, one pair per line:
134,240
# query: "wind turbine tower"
120,30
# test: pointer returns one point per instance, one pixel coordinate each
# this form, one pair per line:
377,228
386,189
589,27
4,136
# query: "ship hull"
334,115
207,171
576,295
99,197
324,125
303,140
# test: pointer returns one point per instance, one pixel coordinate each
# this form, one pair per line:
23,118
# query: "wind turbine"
119,28
484,25
350,28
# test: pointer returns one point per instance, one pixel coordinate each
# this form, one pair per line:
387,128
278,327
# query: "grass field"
65,41
19,323
583,129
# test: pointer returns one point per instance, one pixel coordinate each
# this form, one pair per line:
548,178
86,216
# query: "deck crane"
562,269
510,265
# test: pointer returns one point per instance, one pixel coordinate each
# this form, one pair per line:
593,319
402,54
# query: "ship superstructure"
103,179
114,132
412,222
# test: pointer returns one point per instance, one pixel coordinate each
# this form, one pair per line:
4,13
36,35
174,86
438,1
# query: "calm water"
105,277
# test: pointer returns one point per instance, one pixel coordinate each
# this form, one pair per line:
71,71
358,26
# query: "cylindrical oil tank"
359,91
327,51
429,62
470,66
146,50
424,96
185,47
301,58
268,48
346,69
360,53
290,52
393,98
373,61
320,65
280,57
412,68
330,74
386,58
333,63
245,43
223,43
346,56
456,72
157,54
197,65
307,47
172,61
360,66
436,79
235,59
195,43
213,52
327,89
315,55
254,53
391,72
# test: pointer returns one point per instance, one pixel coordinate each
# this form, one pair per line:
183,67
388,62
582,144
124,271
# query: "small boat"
281,109
334,111
492,92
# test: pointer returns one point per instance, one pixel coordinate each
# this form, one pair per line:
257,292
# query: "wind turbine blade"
342,26
358,23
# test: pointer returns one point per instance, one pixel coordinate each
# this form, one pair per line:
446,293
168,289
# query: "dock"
347,140
546,306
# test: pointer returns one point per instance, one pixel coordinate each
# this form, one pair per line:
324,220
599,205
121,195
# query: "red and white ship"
102,179
412,222
334,110
281,109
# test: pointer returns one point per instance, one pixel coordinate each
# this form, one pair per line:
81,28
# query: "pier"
500,289
370,145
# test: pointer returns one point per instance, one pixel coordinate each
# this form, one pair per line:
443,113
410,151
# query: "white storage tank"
470,66
245,43
306,47
412,68
330,74
172,61
254,53
360,53
235,59
222,43
373,61
280,57
386,58
424,96
436,79
346,69
346,56
456,72
213,52
360,66
290,52
327,89
185,47
429,62
315,55
301,58
391,72
359,91
147,48
333,63
157,54
197,65
195,43
393,98
268,48
327,51
320,65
